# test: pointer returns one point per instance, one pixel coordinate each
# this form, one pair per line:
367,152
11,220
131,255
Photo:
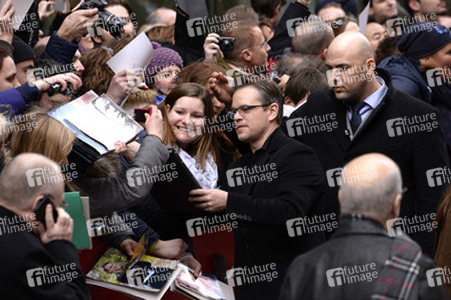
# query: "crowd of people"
291,118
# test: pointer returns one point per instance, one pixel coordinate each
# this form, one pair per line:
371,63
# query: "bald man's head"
351,62
27,176
351,44
370,185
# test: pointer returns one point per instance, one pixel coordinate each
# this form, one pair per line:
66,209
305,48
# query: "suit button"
248,245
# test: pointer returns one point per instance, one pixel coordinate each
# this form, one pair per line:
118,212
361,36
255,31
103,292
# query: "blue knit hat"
422,39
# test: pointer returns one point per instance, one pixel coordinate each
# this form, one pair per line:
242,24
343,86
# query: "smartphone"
40,210
139,114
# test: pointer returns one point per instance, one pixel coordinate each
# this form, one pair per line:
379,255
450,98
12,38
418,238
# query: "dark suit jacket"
22,251
415,153
263,208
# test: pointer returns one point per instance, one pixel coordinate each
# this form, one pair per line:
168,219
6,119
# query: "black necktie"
356,119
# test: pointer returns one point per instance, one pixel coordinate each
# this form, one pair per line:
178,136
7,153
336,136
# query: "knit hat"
162,57
22,51
349,6
422,39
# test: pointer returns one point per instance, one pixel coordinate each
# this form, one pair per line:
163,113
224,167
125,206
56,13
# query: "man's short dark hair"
269,93
305,81
265,8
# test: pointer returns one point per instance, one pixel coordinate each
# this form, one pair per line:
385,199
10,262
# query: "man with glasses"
39,262
270,192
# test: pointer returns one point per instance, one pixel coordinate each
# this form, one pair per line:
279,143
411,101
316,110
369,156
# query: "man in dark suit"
278,183
37,262
364,113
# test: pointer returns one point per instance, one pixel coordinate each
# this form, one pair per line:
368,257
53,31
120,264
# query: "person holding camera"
39,259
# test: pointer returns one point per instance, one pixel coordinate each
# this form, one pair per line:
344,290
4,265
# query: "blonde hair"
46,136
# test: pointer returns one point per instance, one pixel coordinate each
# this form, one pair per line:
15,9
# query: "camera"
56,89
226,44
113,24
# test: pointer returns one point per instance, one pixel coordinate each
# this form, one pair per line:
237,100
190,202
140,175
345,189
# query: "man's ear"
274,110
396,206
246,55
36,201
414,5
323,54
371,11
339,196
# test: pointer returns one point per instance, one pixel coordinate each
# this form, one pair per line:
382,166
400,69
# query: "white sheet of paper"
136,55
60,5
22,7
363,18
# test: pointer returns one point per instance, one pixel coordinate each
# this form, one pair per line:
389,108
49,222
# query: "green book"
80,237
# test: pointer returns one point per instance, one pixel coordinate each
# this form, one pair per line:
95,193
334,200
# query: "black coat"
415,153
355,243
22,251
263,208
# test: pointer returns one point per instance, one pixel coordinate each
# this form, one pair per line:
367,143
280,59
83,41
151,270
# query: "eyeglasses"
246,108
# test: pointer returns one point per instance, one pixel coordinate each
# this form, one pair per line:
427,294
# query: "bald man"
363,113
353,262
37,262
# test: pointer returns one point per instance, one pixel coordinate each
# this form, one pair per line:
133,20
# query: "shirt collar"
376,98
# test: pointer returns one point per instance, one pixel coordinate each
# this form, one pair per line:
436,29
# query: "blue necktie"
356,119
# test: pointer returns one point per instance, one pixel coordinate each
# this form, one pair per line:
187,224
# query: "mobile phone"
139,114
40,210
